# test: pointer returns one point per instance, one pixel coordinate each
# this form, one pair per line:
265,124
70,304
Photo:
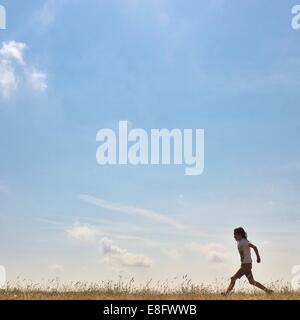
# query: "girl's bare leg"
259,285
231,286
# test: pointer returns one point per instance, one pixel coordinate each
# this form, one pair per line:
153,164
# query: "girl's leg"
231,285
238,275
258,284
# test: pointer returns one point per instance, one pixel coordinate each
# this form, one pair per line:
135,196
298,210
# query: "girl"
246,262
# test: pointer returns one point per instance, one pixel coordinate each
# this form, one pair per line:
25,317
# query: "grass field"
54,290
95,295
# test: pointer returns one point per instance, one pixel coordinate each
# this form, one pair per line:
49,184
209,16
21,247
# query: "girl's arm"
256,252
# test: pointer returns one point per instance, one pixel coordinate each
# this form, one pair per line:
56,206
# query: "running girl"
244,247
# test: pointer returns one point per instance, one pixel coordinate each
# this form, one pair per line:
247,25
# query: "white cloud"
38,80
8,81
214,252
15,72
82,233
56,268
13,50
114,255
142,212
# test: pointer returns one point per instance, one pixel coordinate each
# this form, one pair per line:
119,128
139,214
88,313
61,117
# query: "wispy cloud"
56,268
114,255
46,15
38,80
131,210
14,71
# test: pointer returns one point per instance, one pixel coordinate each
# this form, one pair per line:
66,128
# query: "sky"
69,68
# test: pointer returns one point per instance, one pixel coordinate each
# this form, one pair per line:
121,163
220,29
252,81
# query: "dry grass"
120,290
40,295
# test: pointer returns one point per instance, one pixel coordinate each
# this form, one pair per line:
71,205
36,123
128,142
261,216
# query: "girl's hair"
241,232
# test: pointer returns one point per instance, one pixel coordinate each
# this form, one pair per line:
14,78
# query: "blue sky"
230,67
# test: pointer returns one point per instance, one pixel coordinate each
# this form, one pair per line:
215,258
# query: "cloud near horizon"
56,268
114,255
214,252
83,233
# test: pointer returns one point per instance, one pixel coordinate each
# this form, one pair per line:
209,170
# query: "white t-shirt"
244,250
